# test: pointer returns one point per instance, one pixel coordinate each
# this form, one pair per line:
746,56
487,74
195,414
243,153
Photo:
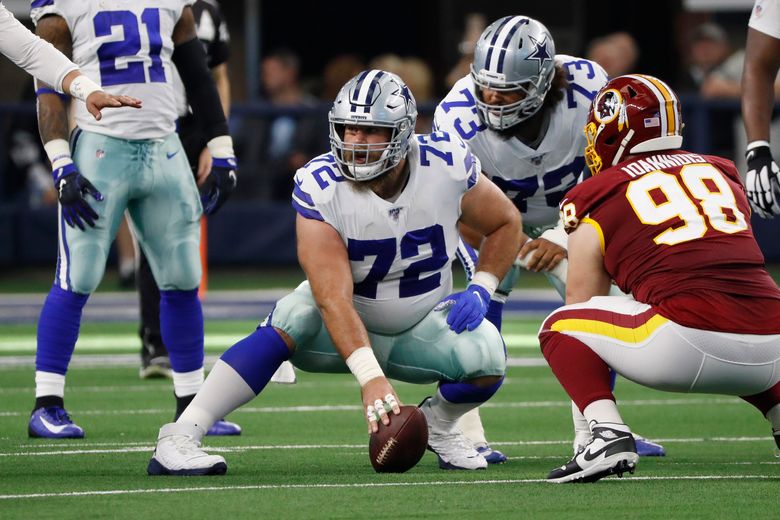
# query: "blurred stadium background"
285,68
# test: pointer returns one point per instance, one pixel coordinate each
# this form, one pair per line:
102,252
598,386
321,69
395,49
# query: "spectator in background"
273,148
418,77
617,53
760,90
337,72
475,24
708,49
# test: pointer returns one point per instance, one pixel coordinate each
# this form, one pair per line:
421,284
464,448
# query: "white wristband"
221,147
363,364
487,281
757,144
58,152
81,87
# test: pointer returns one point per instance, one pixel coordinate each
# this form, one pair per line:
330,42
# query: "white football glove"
761,182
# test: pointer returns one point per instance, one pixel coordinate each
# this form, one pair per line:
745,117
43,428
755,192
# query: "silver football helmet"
372,98
515,53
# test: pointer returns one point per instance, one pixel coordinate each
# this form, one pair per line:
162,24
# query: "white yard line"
261,487
352,407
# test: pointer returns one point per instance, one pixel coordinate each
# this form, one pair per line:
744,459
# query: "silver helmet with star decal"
514,54
373,98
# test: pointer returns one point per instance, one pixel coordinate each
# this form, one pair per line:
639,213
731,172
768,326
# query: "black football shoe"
611,451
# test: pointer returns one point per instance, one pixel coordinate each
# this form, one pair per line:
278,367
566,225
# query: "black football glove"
72,189
761,182
219,185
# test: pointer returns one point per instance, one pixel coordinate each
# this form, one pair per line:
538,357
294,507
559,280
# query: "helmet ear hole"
631,92
609,141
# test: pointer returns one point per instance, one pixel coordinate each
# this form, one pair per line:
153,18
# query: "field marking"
261,487
131,343
134,447
352,407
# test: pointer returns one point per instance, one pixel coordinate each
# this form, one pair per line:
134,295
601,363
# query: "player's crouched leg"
477,363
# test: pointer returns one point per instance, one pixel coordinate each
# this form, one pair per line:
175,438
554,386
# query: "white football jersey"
400,252
126,46
766,17
535,179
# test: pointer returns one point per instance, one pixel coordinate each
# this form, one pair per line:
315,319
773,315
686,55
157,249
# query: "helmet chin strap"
622,148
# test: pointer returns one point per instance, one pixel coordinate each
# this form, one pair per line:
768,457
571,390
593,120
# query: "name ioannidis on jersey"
659,162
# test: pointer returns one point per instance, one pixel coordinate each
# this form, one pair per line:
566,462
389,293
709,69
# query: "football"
400,445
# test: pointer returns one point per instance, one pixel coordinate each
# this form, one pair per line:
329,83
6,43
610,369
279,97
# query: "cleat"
178,453
646,448
223,427
53,422
155,362
285,374
491,456
453,450
611,451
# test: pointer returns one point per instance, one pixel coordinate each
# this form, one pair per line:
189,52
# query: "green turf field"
303,453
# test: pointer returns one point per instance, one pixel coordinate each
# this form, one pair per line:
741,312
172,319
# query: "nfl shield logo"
100,154
394,213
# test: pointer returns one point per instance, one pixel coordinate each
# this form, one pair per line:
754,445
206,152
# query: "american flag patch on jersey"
651,122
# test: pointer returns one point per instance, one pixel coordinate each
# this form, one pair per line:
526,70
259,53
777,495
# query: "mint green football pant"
427,352
152,180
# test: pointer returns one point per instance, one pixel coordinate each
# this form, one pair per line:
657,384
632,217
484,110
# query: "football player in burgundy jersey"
672,229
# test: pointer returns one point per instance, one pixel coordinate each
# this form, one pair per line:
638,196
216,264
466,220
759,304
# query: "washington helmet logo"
608,106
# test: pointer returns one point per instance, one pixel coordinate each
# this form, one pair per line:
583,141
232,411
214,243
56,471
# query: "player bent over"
377,233
671,228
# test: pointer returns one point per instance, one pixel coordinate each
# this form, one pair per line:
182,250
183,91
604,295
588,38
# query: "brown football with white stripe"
400,445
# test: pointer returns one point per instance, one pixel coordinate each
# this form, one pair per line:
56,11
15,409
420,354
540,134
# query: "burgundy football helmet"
631,114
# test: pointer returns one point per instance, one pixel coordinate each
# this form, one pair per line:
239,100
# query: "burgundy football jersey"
676,234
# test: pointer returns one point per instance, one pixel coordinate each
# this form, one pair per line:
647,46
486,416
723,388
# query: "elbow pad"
190,60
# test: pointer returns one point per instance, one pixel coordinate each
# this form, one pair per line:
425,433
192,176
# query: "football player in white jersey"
762,61
521,111
41,60
377,230
128,160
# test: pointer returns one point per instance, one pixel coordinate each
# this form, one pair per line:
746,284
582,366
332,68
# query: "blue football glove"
467,308
219,185
72,189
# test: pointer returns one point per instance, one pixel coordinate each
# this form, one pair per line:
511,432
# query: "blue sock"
493,315
257,356
58,329
468,393
181,326
612,379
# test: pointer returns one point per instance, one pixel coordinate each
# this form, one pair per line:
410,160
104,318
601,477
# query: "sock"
223,391
583,374
256,357
58,330
580,422
47,401
49,384
493,315
612,379
453,400
602,411
471,425
187,383
181,325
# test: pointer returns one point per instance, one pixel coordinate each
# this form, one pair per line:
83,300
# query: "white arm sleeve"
36,56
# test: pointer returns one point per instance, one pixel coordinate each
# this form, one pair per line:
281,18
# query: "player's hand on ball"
541,255
379,399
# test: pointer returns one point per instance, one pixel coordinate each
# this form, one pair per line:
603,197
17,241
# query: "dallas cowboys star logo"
540,53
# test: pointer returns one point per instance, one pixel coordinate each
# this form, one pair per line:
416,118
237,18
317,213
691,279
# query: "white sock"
579,420
127,266
471,425
603,410
448,413
49,383
773,416
222,392
187,383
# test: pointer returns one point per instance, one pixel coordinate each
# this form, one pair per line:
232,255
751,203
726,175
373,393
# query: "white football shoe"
452,448
178,453
611,451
